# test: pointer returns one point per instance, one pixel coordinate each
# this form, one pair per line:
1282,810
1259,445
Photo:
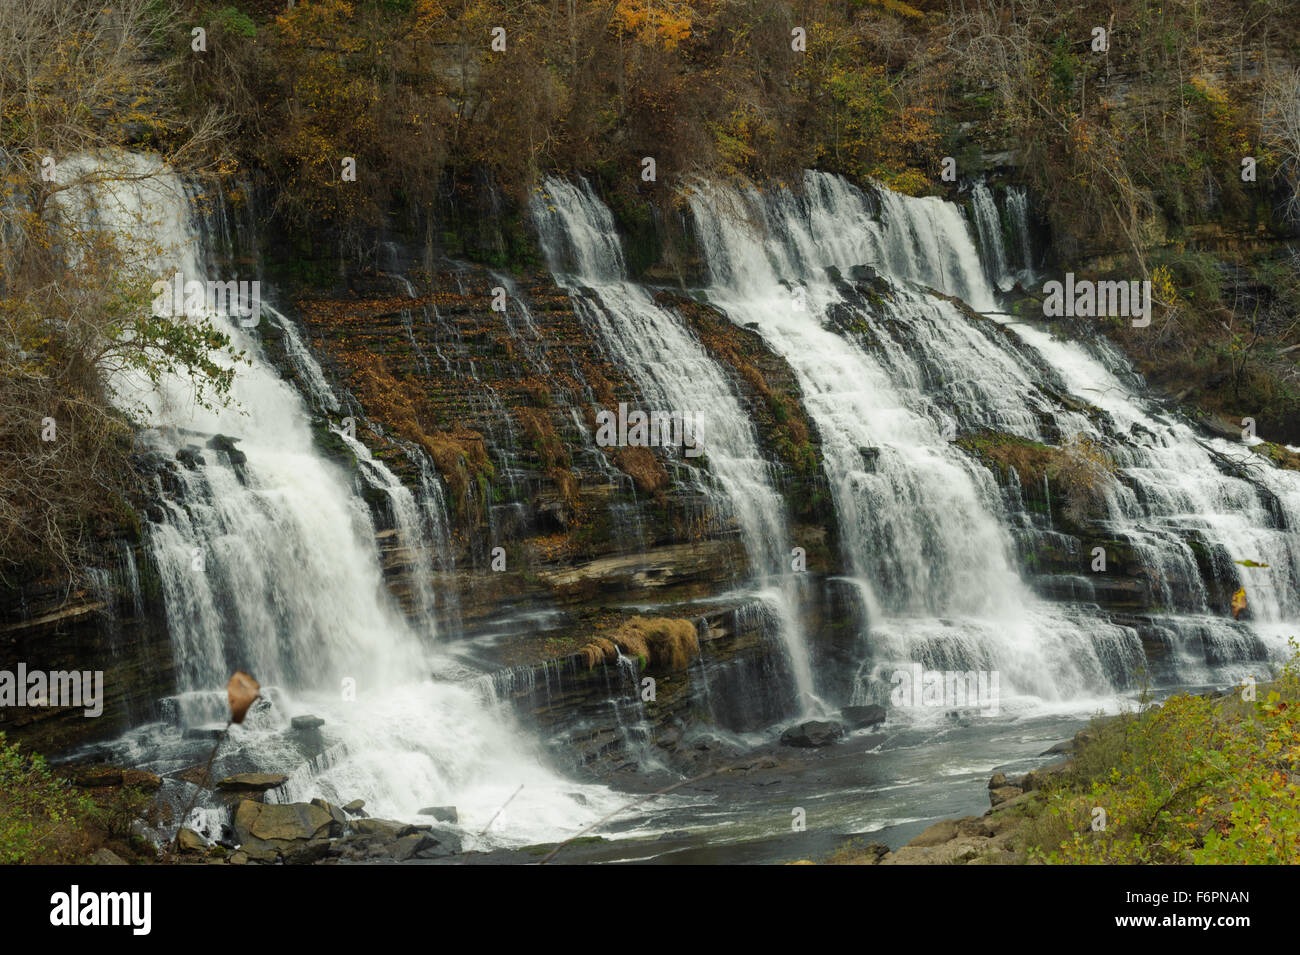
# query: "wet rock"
381,827
306,722
298,833
441,813
187,840
860,717
355,808
812,734
205,732
239,858
339,817
1063,747
191,455
226,444
870,458
252,782
997,781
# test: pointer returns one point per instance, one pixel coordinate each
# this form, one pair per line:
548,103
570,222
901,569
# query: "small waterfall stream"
675,374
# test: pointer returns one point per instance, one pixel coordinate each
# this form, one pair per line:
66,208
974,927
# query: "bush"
38,812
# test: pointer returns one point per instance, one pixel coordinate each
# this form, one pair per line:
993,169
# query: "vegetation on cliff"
1193,780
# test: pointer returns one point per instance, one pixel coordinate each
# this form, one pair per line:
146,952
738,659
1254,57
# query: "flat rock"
297,833
812,734
859,717
306,722
252,782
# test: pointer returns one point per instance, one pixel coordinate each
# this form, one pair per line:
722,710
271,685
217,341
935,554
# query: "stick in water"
636,802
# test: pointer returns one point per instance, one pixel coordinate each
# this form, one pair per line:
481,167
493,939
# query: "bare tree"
1280,125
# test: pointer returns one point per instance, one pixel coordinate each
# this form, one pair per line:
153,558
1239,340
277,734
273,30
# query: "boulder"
859,717
1002,794
1063,747
252,782
390,828
339,817
355,808
812,734
191,455
997,781
106,857
1047,775
226,444
441,813
945,830
306,722
187,840
297,833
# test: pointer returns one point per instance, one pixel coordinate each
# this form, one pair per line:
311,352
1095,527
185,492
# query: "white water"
674,373
923,526
278,573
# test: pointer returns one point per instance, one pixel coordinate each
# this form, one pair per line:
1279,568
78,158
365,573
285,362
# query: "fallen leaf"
1238,602
242,690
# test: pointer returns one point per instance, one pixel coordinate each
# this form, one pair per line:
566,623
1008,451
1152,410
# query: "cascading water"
270,564
675,374
989,226
924,528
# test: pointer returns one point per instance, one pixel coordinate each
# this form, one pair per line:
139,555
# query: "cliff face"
114,622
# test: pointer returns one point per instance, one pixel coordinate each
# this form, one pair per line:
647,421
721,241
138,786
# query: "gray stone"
858,717
252,782
441,813
191,455
814,733
106,857
307,722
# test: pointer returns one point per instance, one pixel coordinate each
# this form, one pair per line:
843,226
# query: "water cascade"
268,562
675,374
893,376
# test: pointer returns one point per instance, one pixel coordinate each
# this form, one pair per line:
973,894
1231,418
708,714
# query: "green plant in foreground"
1194,780
37,810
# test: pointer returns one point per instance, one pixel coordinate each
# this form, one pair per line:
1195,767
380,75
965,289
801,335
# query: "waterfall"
989,225
890,376
270,564
675,374
1018,215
